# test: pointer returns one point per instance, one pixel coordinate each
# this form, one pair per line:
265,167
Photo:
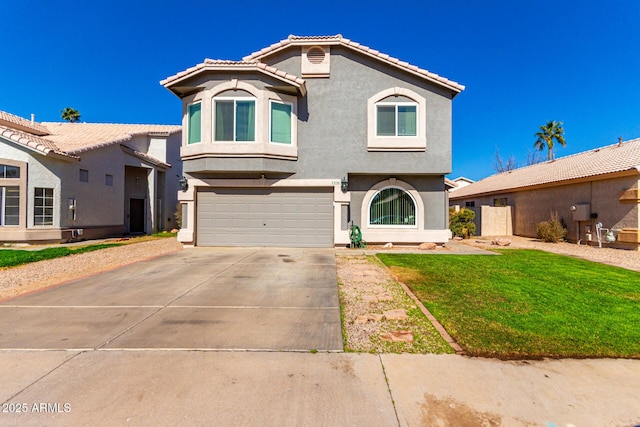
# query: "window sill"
240,149
396,144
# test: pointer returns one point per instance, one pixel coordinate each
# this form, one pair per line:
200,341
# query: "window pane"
407,120
224,121
11,205
386,120
43,206
245,120
280,123
194,123
392,206
12,172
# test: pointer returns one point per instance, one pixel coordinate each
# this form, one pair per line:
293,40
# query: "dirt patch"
449,412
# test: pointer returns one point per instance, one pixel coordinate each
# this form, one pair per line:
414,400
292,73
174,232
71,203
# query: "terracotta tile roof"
76,138
16,122
224,65
293,40
33,141
594,163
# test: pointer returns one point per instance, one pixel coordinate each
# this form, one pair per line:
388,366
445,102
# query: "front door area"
136,216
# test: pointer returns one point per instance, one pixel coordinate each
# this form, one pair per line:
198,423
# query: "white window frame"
397,143
44,198
401,226
3,205
396,105
291,126
235,99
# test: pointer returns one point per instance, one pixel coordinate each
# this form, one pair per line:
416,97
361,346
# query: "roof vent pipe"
619,141
33,118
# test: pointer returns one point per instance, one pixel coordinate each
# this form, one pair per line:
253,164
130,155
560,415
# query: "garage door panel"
264,217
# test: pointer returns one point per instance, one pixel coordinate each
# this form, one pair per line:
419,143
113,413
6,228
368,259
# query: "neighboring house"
461,182
59,180
601,185
298,140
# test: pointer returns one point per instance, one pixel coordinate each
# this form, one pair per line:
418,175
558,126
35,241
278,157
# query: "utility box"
582,212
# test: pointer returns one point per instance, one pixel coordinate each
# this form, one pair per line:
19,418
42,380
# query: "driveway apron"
199,298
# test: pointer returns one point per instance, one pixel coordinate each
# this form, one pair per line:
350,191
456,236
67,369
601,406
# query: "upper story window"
392,207
396,119
234,119
7,171
84,175
280,122
194,123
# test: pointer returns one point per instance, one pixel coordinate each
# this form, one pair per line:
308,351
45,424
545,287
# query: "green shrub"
552,231
461,223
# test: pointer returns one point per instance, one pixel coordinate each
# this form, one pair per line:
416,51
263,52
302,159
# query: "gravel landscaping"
619,257
31,277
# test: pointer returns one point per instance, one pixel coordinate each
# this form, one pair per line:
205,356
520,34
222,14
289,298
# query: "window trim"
292,116
397,143
234,99
396,226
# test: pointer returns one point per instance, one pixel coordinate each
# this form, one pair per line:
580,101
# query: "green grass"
528,304
14,257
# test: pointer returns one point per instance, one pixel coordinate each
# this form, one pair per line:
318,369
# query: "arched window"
392,207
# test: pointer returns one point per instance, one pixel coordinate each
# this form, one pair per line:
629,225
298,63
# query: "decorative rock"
397,336
174,230
361,319
388,246
427,246
398,314
458,238
384,296
375,317
501,242
369,298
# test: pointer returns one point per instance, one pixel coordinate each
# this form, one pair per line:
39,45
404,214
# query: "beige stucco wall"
533,206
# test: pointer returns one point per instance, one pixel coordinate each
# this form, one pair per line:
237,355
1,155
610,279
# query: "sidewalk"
118,387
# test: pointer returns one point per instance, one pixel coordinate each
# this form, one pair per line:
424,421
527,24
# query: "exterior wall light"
344,184
183,184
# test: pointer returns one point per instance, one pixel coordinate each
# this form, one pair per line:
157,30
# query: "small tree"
461,223
70,115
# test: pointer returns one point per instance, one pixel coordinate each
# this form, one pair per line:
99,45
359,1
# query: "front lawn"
527,303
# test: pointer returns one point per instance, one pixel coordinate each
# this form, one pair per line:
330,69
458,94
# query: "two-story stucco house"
297,140
84,180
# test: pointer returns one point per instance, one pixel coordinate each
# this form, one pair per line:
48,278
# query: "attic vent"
315,55
316,61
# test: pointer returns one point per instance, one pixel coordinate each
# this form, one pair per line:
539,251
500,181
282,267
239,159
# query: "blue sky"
523,62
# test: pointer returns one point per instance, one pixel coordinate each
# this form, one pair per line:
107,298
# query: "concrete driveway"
201,298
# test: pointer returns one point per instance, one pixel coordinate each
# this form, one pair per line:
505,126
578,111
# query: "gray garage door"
263,217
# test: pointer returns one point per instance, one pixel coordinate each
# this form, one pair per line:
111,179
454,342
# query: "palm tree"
548,133
70,115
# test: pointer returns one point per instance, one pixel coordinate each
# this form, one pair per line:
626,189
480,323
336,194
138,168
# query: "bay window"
280,122
234,119
194,123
